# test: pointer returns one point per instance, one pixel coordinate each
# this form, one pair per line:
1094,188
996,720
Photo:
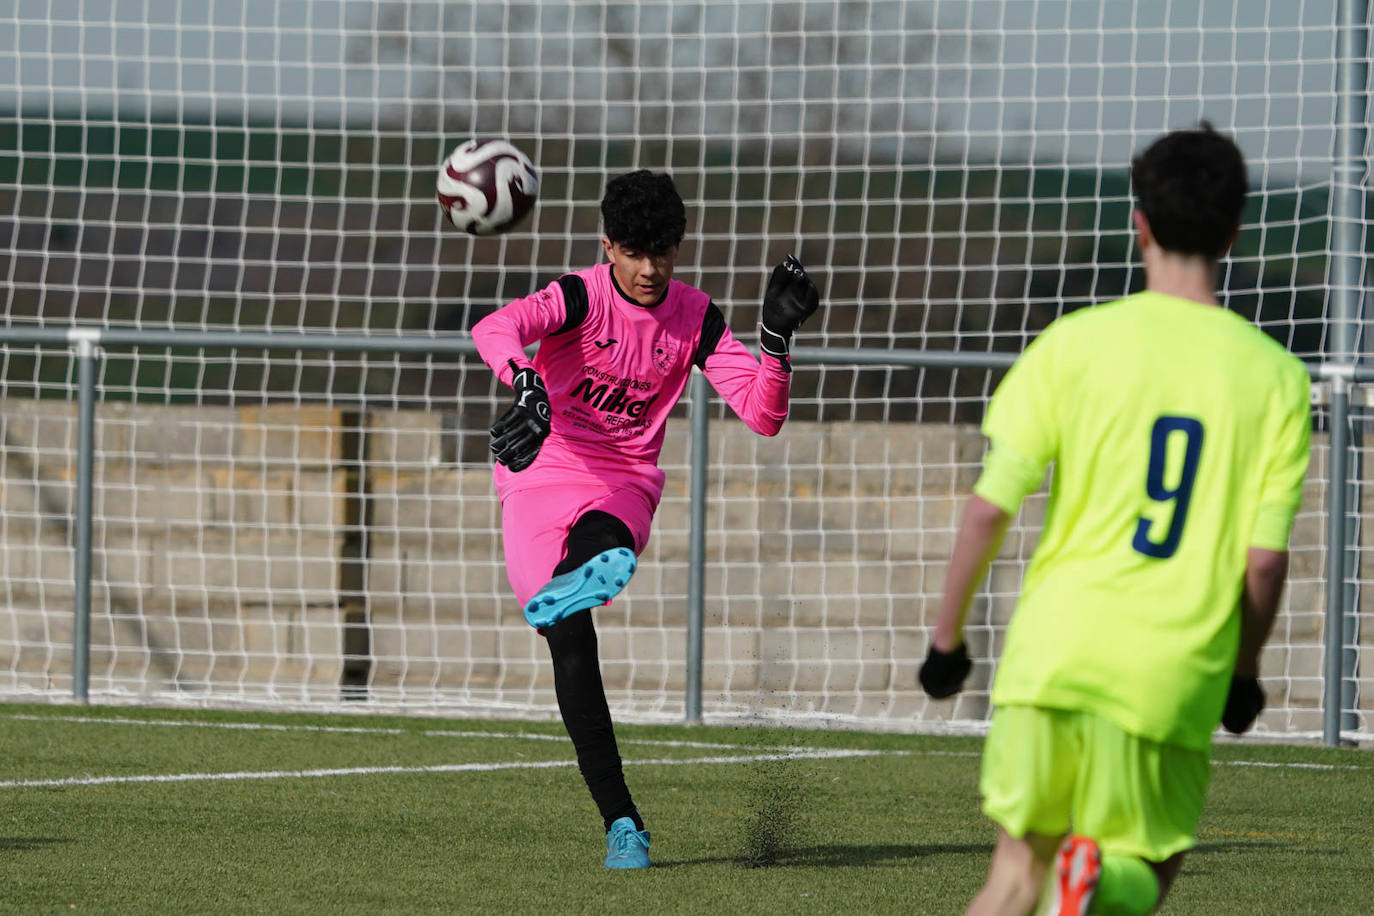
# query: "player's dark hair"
643,211
1191,185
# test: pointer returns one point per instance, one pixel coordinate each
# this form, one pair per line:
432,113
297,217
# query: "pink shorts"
535,521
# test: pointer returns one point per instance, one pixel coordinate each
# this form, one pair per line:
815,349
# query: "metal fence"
1341,652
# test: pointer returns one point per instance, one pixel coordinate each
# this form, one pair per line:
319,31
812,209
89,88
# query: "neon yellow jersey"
1179,438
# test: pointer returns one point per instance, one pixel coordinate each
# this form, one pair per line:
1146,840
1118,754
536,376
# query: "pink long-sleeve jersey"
614,369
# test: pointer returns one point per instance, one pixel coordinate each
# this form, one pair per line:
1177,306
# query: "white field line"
365,730
1286,765
72,781
789,751
232,726
647,742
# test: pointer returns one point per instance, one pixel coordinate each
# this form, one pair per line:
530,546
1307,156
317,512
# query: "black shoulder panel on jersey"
574,301
712,328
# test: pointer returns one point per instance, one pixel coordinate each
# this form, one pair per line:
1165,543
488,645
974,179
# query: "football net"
293,527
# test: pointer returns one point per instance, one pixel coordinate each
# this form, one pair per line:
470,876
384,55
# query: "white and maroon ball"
487,186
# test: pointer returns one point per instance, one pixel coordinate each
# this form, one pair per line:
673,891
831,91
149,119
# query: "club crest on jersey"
664,355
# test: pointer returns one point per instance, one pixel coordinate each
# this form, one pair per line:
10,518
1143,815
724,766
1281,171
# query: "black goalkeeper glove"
790,299
942,675
1244,703
516,437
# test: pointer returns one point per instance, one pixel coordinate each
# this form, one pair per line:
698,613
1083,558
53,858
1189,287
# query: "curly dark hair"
643,211
1191,186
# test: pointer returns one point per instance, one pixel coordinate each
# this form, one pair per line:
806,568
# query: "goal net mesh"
287,526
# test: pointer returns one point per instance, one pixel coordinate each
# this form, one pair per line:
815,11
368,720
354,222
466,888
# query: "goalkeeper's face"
641,276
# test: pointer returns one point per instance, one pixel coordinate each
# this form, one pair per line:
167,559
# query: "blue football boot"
626,847
593,583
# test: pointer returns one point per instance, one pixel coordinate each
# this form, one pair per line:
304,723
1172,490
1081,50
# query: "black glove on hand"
942,675
516,437
1244,703
790,299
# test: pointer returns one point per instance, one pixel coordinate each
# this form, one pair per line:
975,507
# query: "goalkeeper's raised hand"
1244,703
942,674
516,437
790,299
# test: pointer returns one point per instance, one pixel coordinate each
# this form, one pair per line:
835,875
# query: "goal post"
272,524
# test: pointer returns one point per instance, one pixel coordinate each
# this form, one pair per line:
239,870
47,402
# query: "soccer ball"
487,186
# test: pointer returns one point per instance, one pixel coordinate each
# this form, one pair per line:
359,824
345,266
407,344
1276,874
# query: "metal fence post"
696,562
85,340
1347,206
1335,559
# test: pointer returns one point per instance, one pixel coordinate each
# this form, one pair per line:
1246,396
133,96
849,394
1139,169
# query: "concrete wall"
222,534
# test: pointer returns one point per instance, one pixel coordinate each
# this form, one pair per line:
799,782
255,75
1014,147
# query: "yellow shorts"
1054,771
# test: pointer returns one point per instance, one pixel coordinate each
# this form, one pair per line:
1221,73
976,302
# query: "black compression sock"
582,703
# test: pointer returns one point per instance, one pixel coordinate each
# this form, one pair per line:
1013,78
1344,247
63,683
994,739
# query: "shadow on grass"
1197,864
26,843
898,855
837,856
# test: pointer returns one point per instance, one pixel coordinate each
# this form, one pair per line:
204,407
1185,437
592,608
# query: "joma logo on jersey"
612,400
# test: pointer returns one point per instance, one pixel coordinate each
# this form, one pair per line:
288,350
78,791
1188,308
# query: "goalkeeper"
577,454
1179,435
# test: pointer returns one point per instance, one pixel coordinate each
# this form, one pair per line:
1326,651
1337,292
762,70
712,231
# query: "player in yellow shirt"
1178,433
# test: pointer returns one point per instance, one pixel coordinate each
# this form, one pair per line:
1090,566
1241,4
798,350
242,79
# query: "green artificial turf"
108,810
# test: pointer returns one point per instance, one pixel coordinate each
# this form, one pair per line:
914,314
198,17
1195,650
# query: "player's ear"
1142,229
609,246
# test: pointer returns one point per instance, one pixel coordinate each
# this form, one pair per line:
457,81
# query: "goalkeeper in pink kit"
577,454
